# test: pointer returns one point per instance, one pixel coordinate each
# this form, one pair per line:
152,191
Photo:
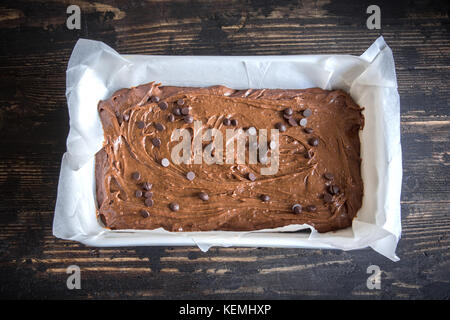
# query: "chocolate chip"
328,198
308,130
180,102
251,176
288,111
280,126
303,122
138,193
297,208
293,122
155,99
264,197
148,194
234,122
156,142
328,176
204,196
159,126
163,105
136,175
313,142
147,186
120,119
185,110
188,118
144,213
226,122
311,208
149,202
140,124
171,118
174,206
333,189
190,175
165,162
176,111
308,155
307,112
126,117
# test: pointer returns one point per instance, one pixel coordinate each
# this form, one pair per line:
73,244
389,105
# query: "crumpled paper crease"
95,71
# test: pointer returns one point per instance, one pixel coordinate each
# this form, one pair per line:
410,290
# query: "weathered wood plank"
35,47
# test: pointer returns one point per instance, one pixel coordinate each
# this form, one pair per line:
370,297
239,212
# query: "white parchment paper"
95,71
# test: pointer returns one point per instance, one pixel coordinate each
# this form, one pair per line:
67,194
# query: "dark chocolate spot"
148,194
297,208
234,122
149,202
280,126
176,111
155,99
136,175
333,189
163,105
264,197
185,111
174,206
156,142
311,208
180,102
188,118
144,213
288,111
226,122
171,118
138,193
313,142
140,124
159,126
293,122
120,119
147,186
308,130
328,176
328,198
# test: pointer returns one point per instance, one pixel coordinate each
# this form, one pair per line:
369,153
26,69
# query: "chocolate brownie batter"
318,181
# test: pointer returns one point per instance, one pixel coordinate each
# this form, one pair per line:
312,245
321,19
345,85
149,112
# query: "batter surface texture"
318,181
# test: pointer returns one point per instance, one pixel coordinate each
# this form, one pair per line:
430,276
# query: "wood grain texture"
35,48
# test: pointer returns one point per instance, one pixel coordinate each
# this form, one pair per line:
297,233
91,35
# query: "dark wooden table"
35,48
